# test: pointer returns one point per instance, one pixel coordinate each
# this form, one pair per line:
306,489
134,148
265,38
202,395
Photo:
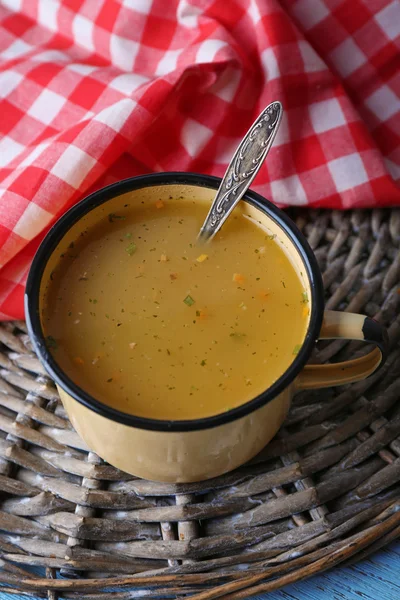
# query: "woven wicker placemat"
325,490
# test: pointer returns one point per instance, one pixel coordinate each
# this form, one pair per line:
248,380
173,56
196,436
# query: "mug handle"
347,326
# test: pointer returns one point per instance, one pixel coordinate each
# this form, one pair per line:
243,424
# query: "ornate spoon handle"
242,169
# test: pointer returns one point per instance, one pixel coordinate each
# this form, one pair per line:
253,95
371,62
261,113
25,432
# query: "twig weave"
324,491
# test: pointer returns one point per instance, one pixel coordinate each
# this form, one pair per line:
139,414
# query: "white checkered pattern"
95,91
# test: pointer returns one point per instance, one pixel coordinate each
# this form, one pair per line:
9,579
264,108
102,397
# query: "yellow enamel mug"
193,450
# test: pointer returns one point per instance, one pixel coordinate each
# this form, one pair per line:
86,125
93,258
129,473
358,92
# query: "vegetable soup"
149,322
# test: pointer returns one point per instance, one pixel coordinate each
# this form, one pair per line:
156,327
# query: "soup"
149,322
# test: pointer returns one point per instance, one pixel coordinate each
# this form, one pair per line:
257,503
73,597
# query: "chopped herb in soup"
150,323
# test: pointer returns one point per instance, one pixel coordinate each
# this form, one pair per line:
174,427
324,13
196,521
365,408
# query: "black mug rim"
59,229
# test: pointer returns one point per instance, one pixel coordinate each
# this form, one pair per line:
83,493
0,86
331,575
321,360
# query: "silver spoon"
242,169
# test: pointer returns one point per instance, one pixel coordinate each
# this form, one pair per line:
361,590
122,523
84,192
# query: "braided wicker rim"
324,491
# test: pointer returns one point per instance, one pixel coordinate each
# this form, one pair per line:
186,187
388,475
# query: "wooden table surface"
376,578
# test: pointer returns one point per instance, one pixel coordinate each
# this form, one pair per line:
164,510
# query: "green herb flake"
128,236
194,388
198,313
270,237
189,301
203,363
51,342
304,297
237,335
114,217
296,349
131,249
283,283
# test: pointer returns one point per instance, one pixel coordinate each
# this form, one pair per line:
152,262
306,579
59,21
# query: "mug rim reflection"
73,215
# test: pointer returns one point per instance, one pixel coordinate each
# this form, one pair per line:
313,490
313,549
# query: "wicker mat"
326,490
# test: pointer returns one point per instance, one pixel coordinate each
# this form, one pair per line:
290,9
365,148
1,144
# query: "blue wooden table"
376,578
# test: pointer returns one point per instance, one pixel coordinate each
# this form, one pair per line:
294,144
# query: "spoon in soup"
242,169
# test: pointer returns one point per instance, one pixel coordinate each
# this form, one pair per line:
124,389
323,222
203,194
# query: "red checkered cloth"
92,91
